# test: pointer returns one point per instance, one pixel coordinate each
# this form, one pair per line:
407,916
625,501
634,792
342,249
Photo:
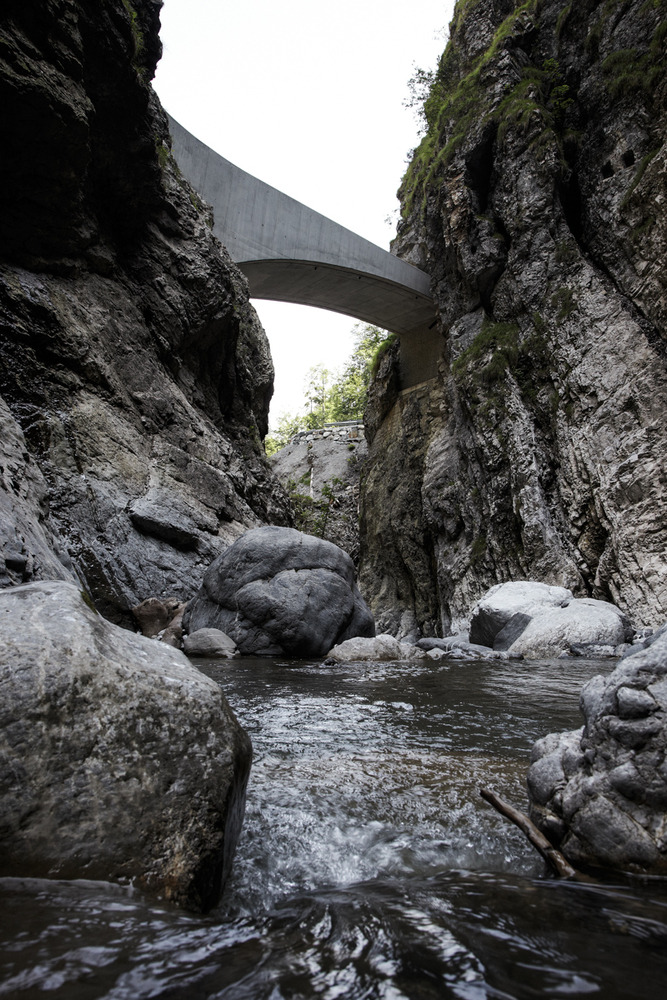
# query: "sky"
309,97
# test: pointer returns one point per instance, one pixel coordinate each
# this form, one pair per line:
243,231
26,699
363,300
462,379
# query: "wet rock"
647,640
120,760
430,643
600,793
380,647
458,647
277,591
593,650
210,642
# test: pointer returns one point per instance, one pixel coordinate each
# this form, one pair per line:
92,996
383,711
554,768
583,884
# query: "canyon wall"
135,377
537,203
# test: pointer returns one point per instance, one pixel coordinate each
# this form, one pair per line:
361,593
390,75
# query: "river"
369,867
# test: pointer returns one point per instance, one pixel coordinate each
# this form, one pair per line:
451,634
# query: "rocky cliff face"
537,202
135,376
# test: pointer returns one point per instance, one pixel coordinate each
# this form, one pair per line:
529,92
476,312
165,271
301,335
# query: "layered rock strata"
135,376
536,201
321,472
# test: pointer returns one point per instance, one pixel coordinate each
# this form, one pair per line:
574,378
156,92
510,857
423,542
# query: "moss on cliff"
457,98
536,199
535,95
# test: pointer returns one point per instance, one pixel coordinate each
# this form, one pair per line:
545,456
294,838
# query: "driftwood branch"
553,857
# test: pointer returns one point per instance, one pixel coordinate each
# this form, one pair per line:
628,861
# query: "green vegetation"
311,514
163,153
457,99
478,550
137,33
639,173
567,252
380,351
500,341
499,348
335,396
562,19
456,96
629,71
87,600
563,299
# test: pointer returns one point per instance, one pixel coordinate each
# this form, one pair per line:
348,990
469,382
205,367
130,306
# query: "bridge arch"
290,253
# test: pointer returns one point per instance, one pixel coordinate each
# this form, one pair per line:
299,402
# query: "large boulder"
279,592
582,624
600,793
493,611
535,620
210,642
381,647
118,759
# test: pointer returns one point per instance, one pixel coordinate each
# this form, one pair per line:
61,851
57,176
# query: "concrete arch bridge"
290,253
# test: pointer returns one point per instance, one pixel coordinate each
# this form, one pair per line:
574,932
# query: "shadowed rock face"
600,793
135,376
277,591
335,466
536,203
120,759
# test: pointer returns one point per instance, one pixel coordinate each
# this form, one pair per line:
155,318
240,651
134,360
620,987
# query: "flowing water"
368,866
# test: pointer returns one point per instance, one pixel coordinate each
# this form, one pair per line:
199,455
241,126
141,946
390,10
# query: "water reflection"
369,867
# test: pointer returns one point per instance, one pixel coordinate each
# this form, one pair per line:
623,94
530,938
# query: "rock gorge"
537,203
135,376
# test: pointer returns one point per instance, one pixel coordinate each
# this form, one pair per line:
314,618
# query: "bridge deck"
291,253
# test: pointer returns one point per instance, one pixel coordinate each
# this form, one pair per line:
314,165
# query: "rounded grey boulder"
381,648
505,600
600,793
210,642
535,620
118,759
279,592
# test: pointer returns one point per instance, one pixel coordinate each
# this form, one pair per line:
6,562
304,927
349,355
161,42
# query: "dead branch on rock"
551,855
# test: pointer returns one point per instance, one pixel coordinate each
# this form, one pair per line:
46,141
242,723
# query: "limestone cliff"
135,376
537,203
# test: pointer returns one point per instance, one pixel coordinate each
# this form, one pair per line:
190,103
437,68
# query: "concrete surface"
290,253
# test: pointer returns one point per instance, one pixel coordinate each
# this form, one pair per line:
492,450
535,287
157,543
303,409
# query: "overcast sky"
309,98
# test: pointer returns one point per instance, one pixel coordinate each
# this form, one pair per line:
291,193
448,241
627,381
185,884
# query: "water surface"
368,867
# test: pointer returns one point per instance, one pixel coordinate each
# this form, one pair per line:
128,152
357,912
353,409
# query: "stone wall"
342,431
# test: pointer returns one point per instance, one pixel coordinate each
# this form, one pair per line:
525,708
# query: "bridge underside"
340,289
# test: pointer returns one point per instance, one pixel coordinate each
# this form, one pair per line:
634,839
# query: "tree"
348,392
317,390
332,396
288,426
